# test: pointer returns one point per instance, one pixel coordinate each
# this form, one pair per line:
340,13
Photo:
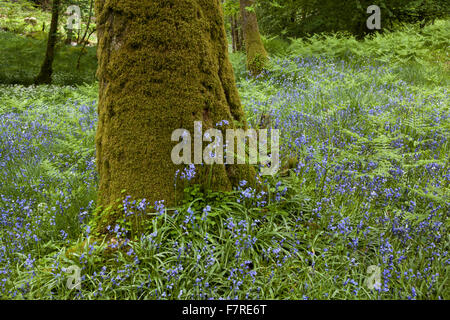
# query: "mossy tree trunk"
163,64
256,53
45,74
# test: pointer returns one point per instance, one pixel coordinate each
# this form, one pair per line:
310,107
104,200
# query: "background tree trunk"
69,36
256,53
233,33
236,33
240,34
45,75
163,64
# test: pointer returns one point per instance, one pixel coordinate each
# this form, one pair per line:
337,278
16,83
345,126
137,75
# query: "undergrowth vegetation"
364,187
23,47
14,13
24,56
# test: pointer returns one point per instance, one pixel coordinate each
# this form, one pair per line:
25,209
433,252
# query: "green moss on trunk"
256,53
163,64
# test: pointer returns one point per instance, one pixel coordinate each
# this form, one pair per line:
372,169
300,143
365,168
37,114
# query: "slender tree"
163,64
45,74
85,38
236,33
256,53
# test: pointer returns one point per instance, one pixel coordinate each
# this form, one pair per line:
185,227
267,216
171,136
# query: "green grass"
13,13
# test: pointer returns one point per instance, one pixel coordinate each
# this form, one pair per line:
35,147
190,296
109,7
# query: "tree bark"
69,36
236,33
163,64
240,34
256,53
45,74
233,33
